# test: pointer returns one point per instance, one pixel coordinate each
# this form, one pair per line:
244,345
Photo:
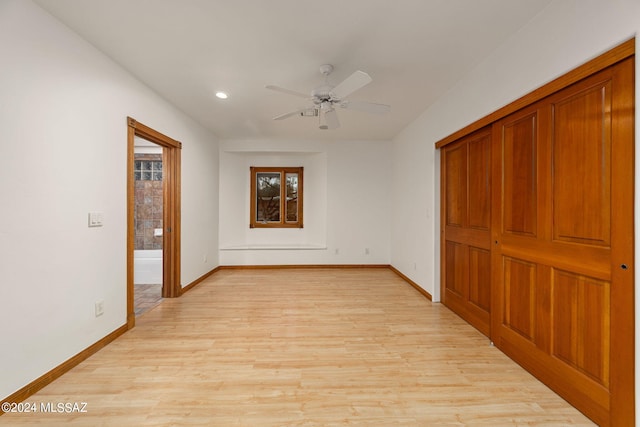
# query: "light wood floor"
301,347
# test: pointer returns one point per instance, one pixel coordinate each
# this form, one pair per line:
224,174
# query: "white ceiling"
186,50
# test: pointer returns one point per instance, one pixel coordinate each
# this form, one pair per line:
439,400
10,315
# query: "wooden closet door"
563,242
466,261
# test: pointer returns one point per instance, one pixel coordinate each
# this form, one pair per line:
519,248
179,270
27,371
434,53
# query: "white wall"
413,237
346,210
564,35
63,153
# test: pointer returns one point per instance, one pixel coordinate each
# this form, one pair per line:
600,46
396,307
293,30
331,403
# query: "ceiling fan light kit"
326,98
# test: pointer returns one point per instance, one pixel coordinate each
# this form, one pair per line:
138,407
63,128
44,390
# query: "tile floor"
145,297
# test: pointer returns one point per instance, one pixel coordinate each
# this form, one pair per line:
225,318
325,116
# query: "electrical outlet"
366,251
99,308
337,251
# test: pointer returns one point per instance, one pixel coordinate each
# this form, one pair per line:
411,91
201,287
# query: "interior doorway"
148,225
159,158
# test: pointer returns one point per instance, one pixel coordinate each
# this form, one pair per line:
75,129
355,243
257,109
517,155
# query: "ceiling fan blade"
291,113
287,91
368,107
331,117
351,84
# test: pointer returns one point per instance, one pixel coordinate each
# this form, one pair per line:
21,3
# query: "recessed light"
222,95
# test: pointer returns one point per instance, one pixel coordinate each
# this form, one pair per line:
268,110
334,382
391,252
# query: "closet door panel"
456,270
581,167
519,297
455,161
581,320
466,209
479,179
519,163
480,278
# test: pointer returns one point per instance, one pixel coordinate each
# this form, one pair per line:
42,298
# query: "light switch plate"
95,219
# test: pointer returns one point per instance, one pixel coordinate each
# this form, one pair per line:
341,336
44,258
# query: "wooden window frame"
283,223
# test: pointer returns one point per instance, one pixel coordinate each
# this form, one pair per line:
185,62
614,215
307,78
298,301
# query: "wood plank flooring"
301,347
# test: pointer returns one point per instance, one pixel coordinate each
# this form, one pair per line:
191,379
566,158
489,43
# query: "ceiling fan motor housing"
321,93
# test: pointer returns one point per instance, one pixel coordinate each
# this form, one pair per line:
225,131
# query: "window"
274,205
148,170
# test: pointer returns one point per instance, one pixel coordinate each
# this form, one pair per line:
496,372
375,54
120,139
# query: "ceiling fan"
327,97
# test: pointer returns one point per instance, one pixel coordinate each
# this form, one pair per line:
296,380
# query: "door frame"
171,150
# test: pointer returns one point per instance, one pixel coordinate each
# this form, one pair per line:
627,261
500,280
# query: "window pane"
292,197
157,166
146,176
268,195
138,165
